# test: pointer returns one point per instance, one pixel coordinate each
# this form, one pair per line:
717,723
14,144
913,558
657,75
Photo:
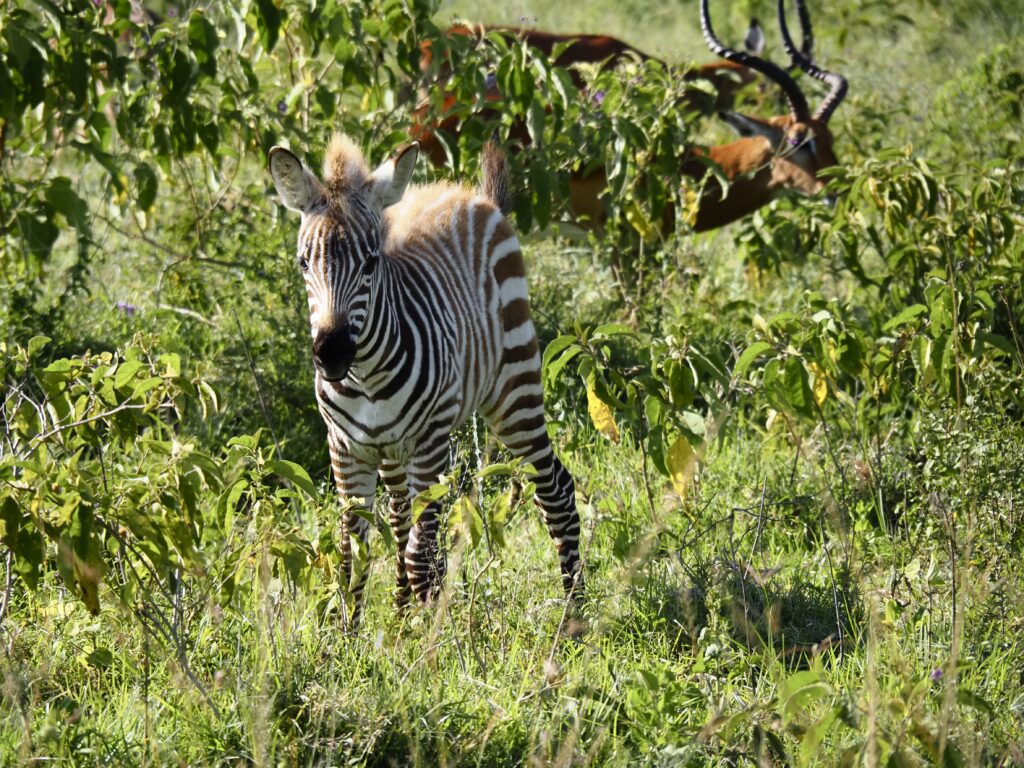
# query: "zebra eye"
303,263
369,265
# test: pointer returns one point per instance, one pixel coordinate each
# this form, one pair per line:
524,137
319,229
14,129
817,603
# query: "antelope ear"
388,182
754,41
298,188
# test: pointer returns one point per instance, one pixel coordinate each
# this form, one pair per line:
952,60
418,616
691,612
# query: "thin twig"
647,481
256,381
8,582
469,613
63,427
760,518
835,590
187,313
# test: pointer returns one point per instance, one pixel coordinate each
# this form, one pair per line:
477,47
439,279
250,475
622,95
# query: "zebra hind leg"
556,496
424,555
527,438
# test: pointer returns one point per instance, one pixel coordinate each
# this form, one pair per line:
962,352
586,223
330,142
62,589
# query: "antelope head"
782,152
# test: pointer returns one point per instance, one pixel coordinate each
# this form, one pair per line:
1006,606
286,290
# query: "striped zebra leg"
424,556
393,476
524,433
355,480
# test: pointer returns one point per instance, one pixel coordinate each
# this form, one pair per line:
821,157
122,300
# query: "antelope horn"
805,29
802,59
797,103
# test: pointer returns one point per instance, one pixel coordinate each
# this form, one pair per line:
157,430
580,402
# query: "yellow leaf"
602,416
820,385
690,205
681,461
639,221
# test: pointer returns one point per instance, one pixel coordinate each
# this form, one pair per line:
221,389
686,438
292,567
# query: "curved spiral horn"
802,59
797,103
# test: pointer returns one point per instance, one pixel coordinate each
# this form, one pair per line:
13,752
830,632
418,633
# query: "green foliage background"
798,441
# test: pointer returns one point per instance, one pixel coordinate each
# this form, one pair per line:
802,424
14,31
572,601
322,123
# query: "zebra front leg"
356,482
424,556
393,476
354,565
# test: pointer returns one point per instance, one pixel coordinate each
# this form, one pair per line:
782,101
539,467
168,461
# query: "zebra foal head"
339,240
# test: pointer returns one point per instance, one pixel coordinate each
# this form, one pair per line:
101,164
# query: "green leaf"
465,516
145,186
681,383
814,735
101,658
970,699
557,345
268,22
535,125
995,340
67,203
36,343
19,534
427,497
126,372
292,472
796,388
495,470
612,329
905,316
557,355
202,39
750,354
172,361
38,231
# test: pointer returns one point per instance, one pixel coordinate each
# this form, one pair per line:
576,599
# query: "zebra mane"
345,170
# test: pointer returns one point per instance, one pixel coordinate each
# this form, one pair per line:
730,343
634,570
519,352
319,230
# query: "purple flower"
492,81
527,20
936,674
598,97
282,107
128,309
172,13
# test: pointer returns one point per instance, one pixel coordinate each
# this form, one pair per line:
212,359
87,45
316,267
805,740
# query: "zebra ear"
298,188
389,181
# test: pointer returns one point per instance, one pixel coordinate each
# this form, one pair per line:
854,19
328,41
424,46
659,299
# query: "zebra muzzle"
333,352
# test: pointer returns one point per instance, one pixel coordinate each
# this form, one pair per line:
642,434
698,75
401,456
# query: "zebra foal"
419,317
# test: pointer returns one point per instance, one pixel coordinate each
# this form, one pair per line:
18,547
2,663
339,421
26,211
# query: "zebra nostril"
333,351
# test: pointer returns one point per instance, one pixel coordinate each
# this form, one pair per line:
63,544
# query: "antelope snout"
333,351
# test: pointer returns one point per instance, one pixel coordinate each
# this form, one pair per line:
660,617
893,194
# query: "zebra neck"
383,343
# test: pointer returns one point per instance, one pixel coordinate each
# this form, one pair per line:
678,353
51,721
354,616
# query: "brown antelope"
727,77
782,152
785,152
